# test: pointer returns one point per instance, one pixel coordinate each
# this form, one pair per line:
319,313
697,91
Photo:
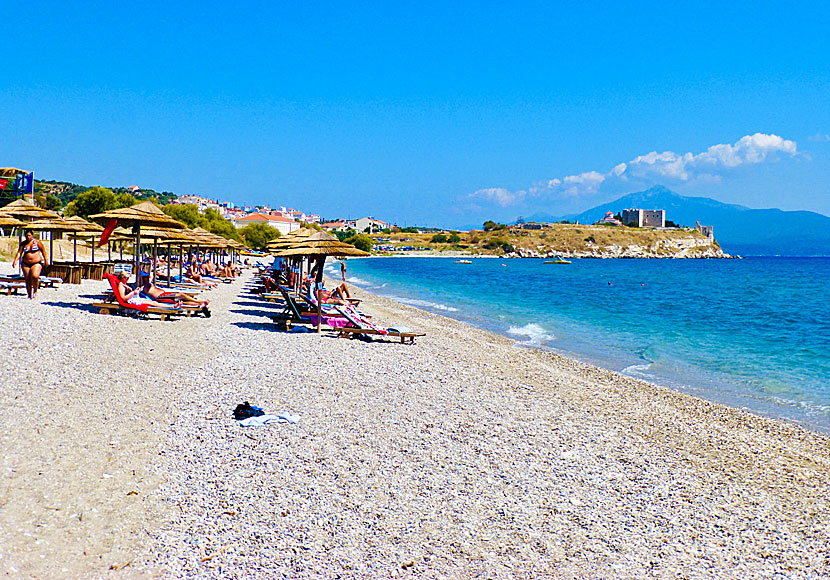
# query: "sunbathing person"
339,295
196,278
153,292
133,297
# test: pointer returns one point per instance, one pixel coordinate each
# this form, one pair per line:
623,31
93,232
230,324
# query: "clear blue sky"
442,114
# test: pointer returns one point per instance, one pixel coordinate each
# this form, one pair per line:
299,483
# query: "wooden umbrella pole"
319,308
137,255
168,264
75,250
93,249
155,260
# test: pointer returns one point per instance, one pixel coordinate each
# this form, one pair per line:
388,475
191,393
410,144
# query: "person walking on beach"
343,269
32,256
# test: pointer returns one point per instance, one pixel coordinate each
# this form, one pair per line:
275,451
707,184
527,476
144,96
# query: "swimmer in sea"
32,256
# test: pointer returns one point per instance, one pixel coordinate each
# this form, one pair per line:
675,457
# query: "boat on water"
463,262
558,260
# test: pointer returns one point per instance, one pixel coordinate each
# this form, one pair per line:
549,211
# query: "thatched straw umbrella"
84,229
317,247
24,210
145,214
8,221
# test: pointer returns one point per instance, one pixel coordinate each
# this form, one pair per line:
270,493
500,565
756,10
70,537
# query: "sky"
443,114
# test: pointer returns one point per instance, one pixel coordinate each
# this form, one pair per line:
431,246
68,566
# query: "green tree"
439,239
226,229
257,236
125,200
361,242
93,200
454,238
53,202
188,214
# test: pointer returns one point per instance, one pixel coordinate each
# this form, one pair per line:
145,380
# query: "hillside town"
286,220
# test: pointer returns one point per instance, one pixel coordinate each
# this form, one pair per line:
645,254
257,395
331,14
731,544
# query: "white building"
368,222
284,225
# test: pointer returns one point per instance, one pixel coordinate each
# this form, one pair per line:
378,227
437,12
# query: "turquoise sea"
751,333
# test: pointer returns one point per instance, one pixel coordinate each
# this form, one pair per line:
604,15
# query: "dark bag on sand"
245,410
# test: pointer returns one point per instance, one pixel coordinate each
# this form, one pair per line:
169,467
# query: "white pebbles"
460,456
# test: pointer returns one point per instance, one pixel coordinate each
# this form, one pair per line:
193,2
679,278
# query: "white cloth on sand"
263,420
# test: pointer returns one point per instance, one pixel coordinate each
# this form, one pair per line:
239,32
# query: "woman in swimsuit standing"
32,256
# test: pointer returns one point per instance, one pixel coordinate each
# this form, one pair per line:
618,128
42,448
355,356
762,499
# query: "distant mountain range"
738,229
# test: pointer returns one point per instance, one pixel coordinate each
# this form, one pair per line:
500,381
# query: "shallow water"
751,333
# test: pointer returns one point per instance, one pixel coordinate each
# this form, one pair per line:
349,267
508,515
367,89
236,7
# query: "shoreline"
702,383
457,456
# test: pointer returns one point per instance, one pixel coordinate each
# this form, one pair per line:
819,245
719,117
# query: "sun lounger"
293,313
361,326
122,306
10,288
45,281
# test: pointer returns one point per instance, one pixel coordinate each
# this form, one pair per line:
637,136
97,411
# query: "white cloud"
819,138
499,195
668,165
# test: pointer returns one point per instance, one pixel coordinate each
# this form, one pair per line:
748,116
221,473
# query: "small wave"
638,370
360,282
533,334
424,303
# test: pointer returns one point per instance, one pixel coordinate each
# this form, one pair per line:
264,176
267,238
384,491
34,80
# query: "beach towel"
263,420
358,321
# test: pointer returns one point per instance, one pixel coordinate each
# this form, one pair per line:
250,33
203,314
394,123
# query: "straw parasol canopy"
12,171
321,244
55,225
23,209
7,221
88,226
208,239
144,214
292,238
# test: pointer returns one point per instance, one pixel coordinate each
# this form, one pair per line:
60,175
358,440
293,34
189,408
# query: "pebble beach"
460,456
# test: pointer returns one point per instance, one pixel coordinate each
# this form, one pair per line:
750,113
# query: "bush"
439,239
490,226
343,236
454,238
361,242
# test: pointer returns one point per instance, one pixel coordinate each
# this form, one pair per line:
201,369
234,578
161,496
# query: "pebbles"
459,456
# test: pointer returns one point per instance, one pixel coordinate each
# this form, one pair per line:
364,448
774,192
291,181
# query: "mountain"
738,229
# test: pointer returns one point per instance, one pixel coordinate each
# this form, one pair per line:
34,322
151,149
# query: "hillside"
576,241
739,229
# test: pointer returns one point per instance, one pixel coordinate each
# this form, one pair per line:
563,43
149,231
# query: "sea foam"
532,334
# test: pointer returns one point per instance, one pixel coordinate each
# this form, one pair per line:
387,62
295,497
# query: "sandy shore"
461,456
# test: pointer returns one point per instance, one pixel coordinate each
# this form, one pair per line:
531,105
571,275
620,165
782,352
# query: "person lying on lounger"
131,296
339,295
153,292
